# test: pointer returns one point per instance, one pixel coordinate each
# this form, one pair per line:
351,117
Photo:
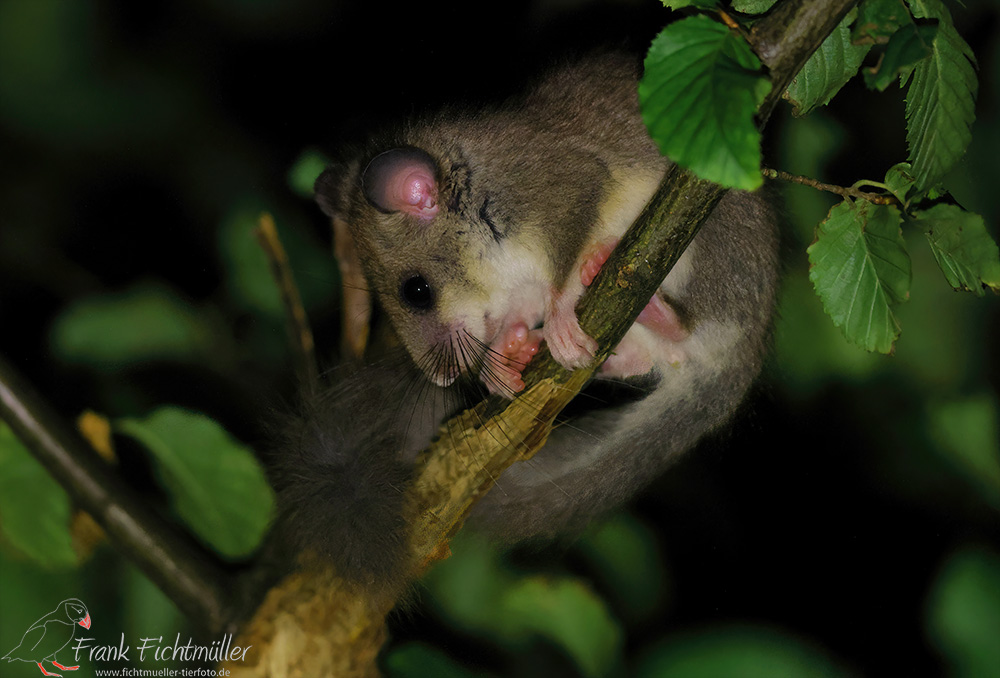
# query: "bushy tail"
341,478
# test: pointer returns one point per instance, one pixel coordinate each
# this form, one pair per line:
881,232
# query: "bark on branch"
312,624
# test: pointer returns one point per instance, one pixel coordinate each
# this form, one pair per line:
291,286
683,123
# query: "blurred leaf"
215,483
146,607
943,350
467,585
806,148
477,594
963,248
941,99
969,433
829,68
56,87
34,509
249,275
568,614
878,20
302,176
627,556
963,613
811,350
699,94
908,46
416,660
737,653
860,269
28,591
145,322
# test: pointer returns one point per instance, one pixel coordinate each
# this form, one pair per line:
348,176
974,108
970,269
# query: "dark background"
133,134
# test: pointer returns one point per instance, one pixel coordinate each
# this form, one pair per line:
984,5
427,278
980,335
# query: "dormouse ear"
402,180
327,191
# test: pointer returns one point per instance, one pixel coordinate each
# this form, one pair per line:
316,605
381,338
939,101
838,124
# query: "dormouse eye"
416,293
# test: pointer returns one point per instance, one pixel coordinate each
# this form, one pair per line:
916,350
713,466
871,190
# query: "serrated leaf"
215,483
145,322
963,613
878,20
908,46
681,4
940,100
899,181
860,269
567,613
829,68
34,509
963,248
737,651
753,6
699,94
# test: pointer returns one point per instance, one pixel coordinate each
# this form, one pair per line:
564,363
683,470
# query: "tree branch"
174,563
299,334
468,458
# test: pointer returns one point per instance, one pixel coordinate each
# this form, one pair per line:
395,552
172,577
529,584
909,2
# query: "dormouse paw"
568,343
595,260
508,356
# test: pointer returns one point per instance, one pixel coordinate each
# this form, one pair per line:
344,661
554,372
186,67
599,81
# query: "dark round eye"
417,293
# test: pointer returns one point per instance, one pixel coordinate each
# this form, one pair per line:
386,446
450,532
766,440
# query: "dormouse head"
434,236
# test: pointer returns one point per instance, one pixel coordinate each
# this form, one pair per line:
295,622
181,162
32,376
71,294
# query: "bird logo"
50,634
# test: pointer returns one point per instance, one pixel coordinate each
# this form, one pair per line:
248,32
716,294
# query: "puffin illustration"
50,634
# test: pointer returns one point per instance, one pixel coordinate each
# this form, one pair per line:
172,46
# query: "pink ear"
402,180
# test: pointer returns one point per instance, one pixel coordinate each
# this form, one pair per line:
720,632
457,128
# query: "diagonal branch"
464,463
184,572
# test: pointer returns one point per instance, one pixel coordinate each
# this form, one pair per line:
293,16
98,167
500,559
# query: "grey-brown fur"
545,166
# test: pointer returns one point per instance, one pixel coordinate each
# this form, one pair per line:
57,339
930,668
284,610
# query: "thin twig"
186,573
299,334
844,191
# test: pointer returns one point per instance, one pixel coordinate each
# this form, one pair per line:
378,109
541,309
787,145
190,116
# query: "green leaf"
968,433
835,62
302,175
416,660
899,181
963,613
476,593
34,509
860,269
753,6
908,46
963,248
145,322
248,272
627,557
215,483
699,94
568,614
745,652
681,4
878,20
940,100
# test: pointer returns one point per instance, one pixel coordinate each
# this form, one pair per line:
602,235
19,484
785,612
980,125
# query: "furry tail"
341,479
